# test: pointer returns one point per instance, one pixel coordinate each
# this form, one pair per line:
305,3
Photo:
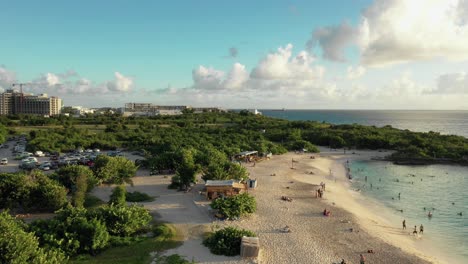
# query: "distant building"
147,109
255,111
13,102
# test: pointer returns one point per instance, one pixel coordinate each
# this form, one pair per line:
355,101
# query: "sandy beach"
352,229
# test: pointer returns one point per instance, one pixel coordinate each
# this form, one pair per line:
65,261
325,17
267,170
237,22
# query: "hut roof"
231,183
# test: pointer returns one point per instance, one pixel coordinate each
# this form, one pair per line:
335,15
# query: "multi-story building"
13,102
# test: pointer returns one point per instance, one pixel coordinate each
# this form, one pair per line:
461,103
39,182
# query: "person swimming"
429,214
460,214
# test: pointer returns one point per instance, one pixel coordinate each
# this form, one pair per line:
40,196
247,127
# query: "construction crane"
21,95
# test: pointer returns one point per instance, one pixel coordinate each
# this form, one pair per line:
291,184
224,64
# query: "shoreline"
385,224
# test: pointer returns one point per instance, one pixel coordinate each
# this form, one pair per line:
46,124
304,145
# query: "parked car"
39,154
4,161
44,166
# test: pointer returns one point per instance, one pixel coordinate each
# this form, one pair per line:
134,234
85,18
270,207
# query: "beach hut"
215,189
250,247
246,155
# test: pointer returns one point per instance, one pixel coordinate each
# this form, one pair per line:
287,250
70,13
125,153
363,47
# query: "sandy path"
314,238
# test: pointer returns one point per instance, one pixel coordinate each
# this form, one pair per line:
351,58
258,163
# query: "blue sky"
154,45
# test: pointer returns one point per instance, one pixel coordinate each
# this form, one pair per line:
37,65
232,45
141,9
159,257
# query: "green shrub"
92,201
136,197
118,195
123,220
164,230
73,232
235,206
226,241
18,246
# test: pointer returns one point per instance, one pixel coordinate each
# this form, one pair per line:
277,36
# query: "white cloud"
236,78
452,83
7,78
121,83
355,72
398,31
333,40
52,79
281,65
207,78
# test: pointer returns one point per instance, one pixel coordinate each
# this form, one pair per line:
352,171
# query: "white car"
39,154
4,161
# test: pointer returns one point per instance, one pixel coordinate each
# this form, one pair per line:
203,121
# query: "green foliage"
71,174
92,201
187,169
226,241
123,220
118,195
18,246
115,170
79,195
73,231
164,230
235,206
137,197
31,192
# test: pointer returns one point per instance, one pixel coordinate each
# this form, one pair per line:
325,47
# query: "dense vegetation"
226,241
164,137
235,206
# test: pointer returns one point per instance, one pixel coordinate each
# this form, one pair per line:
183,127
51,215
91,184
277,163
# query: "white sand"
314,238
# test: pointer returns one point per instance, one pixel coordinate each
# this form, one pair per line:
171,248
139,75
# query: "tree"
187,169
68,176
18,246
115,170
118,195
123,220
79,195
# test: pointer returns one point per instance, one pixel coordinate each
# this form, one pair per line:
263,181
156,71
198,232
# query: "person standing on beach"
362,259
415,231
421,229
404,224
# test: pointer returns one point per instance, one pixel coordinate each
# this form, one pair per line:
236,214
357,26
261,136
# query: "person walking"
421,229
404,224
362,259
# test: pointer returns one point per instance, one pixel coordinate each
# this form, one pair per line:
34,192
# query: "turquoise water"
445,122
442,187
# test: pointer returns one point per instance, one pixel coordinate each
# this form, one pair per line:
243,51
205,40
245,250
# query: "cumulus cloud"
355,72
233,52
7,77
398,31
333,40
70,83
452,83
121,83
282,65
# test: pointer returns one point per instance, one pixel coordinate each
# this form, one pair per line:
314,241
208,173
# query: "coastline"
384,225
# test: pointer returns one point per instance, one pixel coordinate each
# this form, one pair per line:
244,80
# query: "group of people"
415,231
362,259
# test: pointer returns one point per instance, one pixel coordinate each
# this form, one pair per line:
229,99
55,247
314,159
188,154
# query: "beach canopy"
247,153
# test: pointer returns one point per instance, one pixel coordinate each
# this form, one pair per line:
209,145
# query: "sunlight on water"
441,189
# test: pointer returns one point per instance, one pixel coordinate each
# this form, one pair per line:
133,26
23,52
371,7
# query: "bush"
18,246
135,197
235,206
172,259
92,201
226,241
164,230
73,232
123,220
118,195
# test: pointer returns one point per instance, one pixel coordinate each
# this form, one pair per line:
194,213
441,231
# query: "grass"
136,253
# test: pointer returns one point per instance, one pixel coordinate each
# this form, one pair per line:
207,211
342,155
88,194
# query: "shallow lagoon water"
441,189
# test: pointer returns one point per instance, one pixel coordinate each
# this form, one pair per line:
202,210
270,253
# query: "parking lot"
83,158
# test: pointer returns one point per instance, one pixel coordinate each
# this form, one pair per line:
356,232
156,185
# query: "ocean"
445,122
441,189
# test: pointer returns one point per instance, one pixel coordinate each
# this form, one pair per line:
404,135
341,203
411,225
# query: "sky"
335,54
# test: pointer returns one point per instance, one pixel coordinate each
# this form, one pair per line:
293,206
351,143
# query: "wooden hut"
215,189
